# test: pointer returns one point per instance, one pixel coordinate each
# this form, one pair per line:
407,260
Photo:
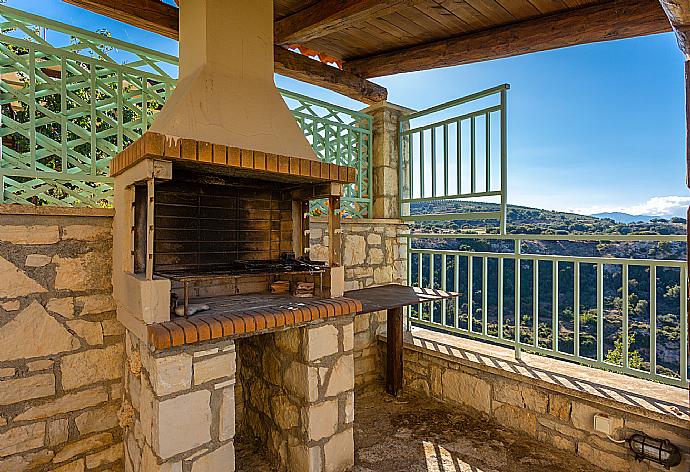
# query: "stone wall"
298,387
179,408
374,253
556,413
61,348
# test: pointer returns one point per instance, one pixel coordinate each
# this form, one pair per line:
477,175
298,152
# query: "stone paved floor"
420,435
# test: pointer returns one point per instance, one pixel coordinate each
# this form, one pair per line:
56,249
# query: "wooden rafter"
151,15
330,16
678,12
617,19
161,18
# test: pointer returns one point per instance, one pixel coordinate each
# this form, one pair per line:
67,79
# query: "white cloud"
670,205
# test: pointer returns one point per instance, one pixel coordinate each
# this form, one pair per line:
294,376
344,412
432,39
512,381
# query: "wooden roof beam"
678,12
617,19
330,16
161,18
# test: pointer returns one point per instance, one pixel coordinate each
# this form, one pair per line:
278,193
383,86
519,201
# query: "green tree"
615,355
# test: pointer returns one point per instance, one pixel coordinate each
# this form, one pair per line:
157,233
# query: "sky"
591,128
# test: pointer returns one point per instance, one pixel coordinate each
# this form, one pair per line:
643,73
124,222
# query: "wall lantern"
661,451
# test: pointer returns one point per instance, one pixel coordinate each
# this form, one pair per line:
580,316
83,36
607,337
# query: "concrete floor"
417,434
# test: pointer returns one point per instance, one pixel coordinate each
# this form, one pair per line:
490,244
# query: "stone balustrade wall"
374,253
61,348
557,415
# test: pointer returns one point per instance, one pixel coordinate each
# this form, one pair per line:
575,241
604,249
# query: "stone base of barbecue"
298,394
179,408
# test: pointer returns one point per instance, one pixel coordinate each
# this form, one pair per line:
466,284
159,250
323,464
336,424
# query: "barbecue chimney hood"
225,92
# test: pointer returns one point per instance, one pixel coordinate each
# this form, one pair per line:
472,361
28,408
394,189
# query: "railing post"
517,248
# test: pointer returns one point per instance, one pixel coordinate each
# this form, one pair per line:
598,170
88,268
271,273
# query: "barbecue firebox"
206,220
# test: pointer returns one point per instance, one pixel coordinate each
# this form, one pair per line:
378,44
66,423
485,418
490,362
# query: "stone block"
284,412
32,235
86,232
65,404
7,372
95,304
375,255
362,322
288,340
304,459
83,445
605,460
559,406
37,260
170,374
348,337
110,455
189,413
21,286
354,252
43,364
383,275
90,271
62,306
112,328
22,438
221,459
27,388
97,420
339,452
323,419
76,466
302,380
92,366
466,389
47,337
217,367
374,239
342,376
58,431
515,417
320,342
91,332
32,461
226,412
12,305
520,395
350,408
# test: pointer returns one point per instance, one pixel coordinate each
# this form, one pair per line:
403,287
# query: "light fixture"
661,451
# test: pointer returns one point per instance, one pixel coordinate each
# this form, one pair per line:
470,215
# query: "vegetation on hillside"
532,221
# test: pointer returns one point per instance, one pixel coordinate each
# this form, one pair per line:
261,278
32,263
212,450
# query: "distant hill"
620,217
526,220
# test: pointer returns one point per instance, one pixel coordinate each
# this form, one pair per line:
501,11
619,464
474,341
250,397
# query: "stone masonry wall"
298,389
374,253
61,348
179,408
562,420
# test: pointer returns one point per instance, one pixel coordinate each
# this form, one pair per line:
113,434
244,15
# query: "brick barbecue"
212,210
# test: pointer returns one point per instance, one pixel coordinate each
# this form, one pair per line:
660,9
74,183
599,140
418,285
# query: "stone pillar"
298,389
179,408
385,159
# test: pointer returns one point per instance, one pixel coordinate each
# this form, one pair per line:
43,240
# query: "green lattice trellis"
71,99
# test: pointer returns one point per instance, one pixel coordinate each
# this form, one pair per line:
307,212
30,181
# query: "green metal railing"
455,158
341,136
568,307
72,99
